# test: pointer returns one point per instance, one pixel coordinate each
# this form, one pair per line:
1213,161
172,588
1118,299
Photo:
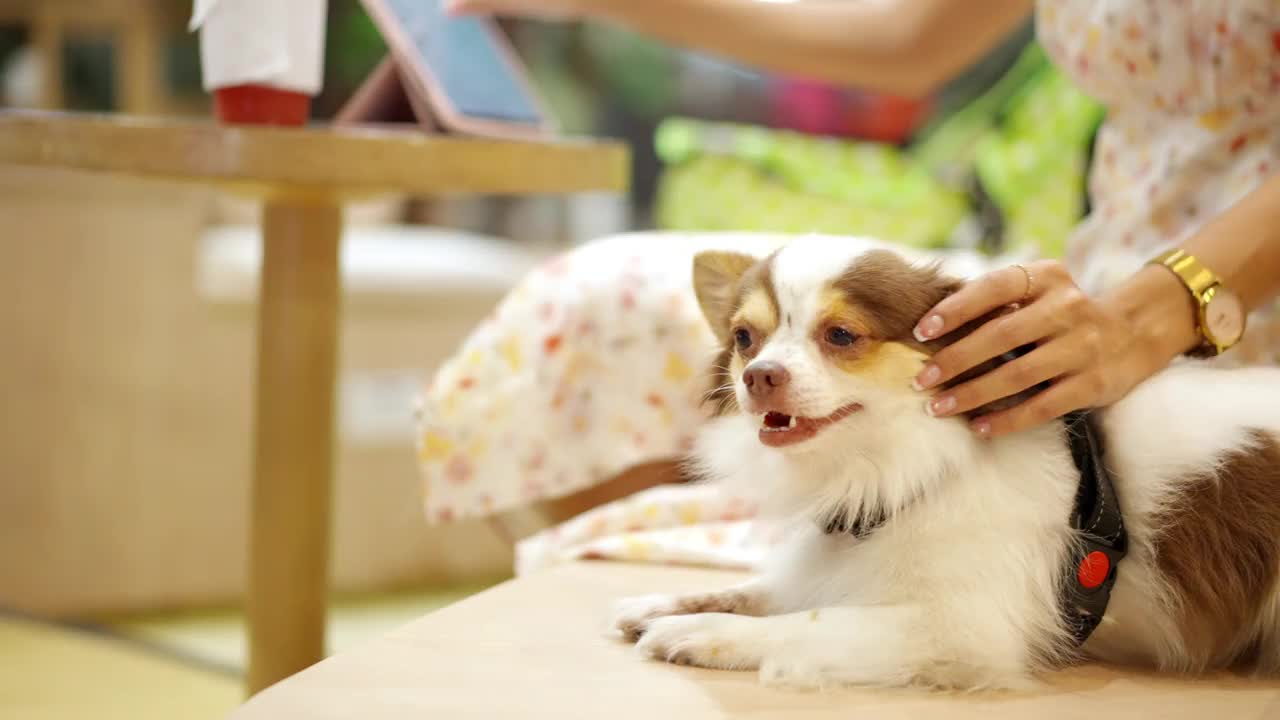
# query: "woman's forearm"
1241,246
905,47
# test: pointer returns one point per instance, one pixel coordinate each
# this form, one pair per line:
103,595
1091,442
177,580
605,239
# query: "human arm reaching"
901,47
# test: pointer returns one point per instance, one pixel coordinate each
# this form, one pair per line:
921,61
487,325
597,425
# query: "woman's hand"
1088,349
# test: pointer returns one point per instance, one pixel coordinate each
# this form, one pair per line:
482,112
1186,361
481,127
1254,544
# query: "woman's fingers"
988,293
1045,363
994,338
1070,393
1066,328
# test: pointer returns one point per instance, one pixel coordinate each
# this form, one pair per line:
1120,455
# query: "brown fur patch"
891,295
842,312
734,601
758,310
1219,547
882,297
889,364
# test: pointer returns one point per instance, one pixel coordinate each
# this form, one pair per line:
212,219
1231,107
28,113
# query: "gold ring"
1026,295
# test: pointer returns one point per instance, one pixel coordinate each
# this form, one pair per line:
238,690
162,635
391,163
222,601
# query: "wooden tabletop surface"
535,648
342,161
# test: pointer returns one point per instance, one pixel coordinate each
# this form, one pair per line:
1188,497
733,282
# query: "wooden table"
303,177
536,648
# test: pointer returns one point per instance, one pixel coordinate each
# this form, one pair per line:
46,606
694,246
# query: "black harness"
1101,538
1099,525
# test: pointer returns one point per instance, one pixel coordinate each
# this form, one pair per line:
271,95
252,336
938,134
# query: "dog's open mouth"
779,429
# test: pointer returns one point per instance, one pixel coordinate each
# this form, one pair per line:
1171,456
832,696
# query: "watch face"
1224,318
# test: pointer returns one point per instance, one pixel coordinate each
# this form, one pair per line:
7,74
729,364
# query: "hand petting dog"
1088,349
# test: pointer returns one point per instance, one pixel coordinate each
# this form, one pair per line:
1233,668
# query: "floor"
168,665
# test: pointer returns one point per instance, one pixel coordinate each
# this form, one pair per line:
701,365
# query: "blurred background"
125,455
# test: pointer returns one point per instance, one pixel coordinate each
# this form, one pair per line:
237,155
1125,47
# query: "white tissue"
278,43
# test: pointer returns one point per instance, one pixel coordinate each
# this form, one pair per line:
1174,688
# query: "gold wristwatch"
1220,315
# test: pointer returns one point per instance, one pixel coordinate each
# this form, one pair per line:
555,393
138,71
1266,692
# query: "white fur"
961,587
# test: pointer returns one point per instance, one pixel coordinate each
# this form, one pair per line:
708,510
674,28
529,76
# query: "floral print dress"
594,362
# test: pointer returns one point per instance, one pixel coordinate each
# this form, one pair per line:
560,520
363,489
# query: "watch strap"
1193,274
1200,282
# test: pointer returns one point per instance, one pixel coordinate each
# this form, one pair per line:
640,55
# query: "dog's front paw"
631,615
795,674
710,640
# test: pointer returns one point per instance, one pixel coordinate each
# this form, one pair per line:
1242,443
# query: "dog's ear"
894,293
716,275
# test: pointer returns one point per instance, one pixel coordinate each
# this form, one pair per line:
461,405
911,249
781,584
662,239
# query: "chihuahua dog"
918,553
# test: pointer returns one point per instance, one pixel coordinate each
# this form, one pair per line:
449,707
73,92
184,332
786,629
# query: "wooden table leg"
49,40
297,355
139,63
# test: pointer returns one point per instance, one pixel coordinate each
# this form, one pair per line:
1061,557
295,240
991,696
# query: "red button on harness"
1093,569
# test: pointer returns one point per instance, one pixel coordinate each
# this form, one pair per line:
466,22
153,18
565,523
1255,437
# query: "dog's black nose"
763,378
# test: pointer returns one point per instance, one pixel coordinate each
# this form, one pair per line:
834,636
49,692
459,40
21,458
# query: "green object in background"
735,177
947,145
641,71
1025,141
1034,166
353,47
548,50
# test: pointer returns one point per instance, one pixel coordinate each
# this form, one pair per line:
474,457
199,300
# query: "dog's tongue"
777,420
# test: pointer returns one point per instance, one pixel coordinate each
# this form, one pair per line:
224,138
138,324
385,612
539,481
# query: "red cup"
261,105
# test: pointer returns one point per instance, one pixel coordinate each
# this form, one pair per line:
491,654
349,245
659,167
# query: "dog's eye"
840,337
742,337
